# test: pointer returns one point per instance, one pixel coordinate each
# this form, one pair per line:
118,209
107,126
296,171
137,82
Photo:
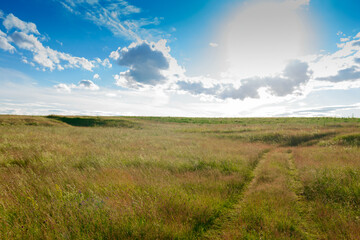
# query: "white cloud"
11,22
25,60
83,84
63,88
115,54
96,76
213,44
37,100
150,64
4,43
88,85
44,56
341,62
47,57
114,16
104,63
122,80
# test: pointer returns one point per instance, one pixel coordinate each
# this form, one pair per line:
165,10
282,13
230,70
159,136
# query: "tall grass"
331,187
176,178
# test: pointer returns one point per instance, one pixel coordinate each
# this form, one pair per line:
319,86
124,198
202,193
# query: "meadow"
179,178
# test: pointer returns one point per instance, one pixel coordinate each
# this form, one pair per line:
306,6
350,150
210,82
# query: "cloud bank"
295,75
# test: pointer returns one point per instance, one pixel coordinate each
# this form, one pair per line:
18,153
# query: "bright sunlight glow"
263,36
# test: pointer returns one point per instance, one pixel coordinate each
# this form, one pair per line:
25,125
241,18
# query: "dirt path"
271,206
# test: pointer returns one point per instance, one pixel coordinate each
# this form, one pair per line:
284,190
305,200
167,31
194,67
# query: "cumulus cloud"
87,84
213,44
83,84
11,22
147,63
150,64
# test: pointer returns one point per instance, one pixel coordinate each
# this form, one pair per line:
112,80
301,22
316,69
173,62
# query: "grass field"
179,178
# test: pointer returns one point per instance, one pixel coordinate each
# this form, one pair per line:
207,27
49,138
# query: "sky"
203,58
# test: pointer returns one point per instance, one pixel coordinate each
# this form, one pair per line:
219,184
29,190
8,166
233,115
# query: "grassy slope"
178,178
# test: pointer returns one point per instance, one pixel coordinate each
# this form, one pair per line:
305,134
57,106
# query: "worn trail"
223,213
271,206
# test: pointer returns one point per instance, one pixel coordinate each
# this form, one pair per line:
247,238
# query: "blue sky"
204,58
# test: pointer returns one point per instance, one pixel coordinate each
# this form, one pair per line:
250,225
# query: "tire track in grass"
225,214
297,187
200,231
270,207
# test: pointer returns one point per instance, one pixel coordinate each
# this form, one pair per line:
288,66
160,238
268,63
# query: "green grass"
336,186
252,121
179,178
350,139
